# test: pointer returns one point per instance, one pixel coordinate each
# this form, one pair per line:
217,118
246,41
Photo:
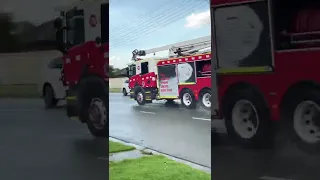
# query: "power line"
168,13
143,16
162,22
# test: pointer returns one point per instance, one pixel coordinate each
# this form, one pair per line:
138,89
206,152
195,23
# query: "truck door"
74,33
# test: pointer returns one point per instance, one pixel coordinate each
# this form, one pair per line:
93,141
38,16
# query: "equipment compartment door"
242,36
186,73
168,81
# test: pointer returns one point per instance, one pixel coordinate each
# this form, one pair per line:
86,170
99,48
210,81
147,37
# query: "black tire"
124,92
140,91
202,93
188,92
311,95
264,135
49,97
92,88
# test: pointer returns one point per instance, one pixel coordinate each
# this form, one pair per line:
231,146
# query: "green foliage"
8,41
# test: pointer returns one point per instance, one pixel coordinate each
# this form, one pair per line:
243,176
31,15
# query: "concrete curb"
146,149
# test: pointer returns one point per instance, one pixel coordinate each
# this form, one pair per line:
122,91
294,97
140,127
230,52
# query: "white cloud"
197,20
119,62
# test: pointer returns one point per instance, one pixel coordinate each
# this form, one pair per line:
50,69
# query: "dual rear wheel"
247,119
188,100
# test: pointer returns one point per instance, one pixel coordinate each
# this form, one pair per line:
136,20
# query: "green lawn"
118,147
16,91
115,90
154,168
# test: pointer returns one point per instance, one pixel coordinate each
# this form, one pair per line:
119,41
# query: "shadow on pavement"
283,161
98,147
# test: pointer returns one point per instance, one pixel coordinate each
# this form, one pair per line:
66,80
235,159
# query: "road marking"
272,178
203,119
146,112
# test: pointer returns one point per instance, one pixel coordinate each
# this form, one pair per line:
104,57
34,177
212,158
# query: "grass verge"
19,91
115,90
155,168
115,147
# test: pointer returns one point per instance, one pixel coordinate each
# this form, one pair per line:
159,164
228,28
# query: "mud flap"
71,104
132,96
148,96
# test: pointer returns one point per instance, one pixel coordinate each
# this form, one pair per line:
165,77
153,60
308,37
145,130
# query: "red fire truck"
185,75
266,69
82,37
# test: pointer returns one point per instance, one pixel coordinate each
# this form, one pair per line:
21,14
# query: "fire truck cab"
184,75
267,69
82,36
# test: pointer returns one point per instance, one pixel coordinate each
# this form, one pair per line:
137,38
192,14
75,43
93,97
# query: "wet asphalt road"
40,144
166,128
283,162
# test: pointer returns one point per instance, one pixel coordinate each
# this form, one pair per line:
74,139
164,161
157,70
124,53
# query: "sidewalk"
129,161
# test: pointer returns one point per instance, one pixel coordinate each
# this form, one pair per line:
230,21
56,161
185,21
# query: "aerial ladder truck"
184,74
82,37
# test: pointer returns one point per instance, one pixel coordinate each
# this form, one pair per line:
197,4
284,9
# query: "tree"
8,41
111,71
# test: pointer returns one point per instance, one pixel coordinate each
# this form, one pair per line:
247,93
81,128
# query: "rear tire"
247,119
305,120
94,105
205,99
188,99
49,98
124,92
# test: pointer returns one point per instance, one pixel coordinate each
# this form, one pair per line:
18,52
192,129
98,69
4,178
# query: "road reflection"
283,161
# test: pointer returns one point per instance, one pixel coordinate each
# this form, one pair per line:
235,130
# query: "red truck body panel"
290,66
87,54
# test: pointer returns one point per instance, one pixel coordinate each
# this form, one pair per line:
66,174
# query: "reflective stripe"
259,69
187,83
74,118
71,97
168,97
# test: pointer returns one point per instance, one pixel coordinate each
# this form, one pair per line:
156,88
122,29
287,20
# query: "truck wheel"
306,121
247,119
49,99
94,101
124,92
140,96
205,98
187,99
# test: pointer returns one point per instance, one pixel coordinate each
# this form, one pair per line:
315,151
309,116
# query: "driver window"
144,68
75,27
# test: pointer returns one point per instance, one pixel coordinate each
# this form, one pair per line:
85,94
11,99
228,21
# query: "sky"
145,24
